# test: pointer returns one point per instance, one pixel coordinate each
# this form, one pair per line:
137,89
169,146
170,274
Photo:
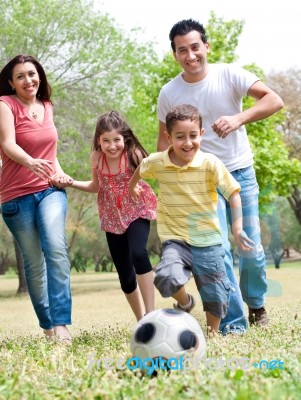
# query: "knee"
128,285
141,262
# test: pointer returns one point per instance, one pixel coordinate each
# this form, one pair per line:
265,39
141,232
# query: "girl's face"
25,80
111,143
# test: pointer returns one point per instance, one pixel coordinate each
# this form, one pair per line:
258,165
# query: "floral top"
116,208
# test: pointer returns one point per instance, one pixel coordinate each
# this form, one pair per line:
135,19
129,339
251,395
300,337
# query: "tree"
91,65
288,85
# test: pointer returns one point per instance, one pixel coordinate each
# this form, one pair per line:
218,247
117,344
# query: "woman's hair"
44,91
113,120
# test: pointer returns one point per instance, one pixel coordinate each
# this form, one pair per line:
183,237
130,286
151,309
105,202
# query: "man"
217,91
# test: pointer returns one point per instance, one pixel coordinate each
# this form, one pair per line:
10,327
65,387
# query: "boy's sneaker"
188,307
258,316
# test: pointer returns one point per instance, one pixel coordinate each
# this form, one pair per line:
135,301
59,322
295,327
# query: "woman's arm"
42,168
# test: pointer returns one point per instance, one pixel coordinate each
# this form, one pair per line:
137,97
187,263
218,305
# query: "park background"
95,65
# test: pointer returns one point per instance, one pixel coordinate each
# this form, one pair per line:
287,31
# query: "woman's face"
25,80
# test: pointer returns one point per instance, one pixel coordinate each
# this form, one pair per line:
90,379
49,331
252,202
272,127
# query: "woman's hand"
42,168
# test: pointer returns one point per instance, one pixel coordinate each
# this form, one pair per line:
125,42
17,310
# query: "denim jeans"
253,282
37,222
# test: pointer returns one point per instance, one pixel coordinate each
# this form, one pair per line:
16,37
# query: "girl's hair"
44,91
113,120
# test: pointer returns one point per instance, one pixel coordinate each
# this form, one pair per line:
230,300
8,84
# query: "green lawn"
32,368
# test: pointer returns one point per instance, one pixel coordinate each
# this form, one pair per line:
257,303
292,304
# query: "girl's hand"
61,180
42,168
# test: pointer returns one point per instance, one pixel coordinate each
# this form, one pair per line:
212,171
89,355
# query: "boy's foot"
188,307
62,334
258,316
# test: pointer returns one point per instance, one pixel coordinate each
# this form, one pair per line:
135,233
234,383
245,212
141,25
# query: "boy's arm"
135,190
240,237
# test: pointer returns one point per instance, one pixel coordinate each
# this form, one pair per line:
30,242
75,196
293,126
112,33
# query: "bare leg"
212,322
134,300
146,286
181,296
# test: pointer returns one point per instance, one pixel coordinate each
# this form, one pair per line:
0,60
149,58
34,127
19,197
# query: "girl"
116,154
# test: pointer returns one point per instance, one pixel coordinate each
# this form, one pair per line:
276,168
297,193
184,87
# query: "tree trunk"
22,289
295,203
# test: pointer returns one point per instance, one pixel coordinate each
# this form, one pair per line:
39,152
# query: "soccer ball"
167,333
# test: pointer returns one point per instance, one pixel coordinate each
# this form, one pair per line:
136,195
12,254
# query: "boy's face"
185,138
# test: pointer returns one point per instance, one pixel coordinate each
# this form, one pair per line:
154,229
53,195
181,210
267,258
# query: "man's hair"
185,26
182,112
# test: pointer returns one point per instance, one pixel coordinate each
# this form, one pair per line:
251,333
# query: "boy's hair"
182,113
185,26
111,121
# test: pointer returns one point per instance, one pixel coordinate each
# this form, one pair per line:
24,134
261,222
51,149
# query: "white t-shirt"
219,93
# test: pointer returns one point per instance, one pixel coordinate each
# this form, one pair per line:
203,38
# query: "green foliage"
276,171
90,62
223,37
94,66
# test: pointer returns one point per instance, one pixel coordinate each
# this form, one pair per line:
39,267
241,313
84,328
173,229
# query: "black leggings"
129,253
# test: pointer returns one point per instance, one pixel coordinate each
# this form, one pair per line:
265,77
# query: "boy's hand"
243,241
136,192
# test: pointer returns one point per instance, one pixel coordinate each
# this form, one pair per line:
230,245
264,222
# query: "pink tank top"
37,140
116,207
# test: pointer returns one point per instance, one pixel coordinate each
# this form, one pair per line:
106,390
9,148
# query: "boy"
187,219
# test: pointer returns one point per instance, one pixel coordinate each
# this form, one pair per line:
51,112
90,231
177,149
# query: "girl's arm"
240,237
60,179
91,186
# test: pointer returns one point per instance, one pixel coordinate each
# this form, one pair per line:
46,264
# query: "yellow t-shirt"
187,199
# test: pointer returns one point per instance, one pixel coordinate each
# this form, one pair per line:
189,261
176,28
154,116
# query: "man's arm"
267,103
162,143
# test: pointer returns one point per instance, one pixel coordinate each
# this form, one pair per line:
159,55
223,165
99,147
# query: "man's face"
191,53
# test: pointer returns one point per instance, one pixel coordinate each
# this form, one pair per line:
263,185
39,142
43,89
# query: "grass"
32,368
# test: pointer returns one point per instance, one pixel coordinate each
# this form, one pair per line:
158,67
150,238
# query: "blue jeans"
253,282
37,222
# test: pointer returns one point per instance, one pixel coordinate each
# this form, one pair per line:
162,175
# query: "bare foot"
49,334
62,333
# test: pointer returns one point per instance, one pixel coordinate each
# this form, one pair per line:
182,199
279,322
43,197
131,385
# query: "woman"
34,210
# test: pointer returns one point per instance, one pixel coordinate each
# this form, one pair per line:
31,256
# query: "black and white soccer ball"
167,333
